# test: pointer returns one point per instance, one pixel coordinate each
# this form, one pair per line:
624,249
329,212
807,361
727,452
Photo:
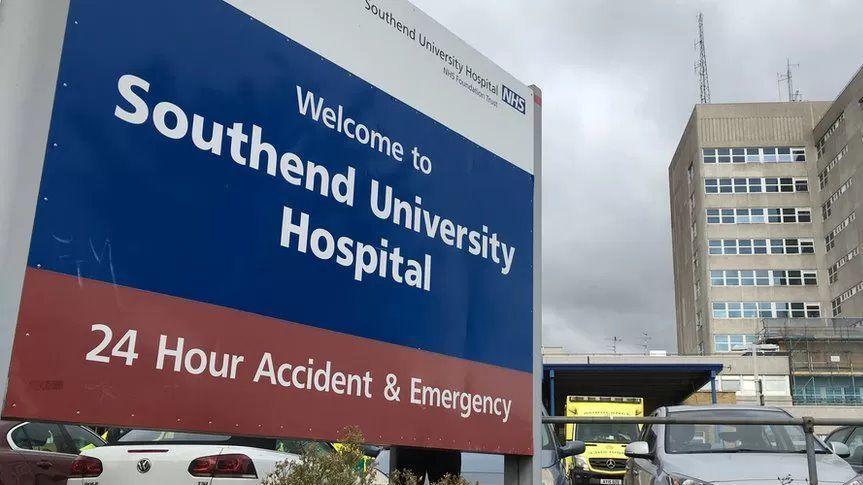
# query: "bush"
317,467
400,478
344,467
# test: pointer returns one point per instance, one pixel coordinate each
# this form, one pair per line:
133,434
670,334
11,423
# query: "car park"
40,453
683,454
142,457
852,437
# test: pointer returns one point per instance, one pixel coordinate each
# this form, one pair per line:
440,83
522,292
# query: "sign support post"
525,470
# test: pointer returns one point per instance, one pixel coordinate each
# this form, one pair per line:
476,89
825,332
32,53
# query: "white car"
166,457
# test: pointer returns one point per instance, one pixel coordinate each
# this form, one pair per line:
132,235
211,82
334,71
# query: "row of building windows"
761,246
830,240
833,270
819,145
839,300
763,277
758,215
728,343
755,185
754,155
765,309
827,206
823,174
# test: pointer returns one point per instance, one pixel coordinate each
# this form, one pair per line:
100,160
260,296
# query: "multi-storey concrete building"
744,222
763,214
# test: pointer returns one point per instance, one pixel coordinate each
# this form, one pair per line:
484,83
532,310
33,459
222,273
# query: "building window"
758,215
755,185
763,277
847,294
754,155
727,343
819,145
830,240
765,309
823,178
760,246
826,207
833,270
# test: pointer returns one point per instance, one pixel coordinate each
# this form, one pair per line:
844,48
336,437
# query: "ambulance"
604,461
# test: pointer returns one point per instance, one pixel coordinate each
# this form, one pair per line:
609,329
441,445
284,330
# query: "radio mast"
701,63
793,95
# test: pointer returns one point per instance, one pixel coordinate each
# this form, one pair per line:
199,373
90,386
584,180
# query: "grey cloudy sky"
618,86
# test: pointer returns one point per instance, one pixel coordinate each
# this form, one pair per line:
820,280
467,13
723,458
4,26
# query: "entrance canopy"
660,384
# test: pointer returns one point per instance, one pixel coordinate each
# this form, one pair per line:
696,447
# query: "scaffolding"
825,357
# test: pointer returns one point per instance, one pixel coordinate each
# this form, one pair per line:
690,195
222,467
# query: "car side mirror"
840,449
571,448
371,451
639,449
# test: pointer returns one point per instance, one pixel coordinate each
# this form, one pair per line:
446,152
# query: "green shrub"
318,467
344,467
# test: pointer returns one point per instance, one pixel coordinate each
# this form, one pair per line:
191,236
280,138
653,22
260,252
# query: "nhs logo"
512,98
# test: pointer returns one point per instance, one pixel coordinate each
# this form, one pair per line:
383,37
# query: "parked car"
701,454
852,437
41,453
167,457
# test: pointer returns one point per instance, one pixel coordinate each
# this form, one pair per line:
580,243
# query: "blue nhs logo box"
512,98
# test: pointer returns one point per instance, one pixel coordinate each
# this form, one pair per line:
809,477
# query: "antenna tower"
793,95
701,63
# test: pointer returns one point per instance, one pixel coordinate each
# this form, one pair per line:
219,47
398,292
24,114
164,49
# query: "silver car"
682,454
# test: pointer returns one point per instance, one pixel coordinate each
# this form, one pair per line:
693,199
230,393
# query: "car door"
643,471
855,444
45,449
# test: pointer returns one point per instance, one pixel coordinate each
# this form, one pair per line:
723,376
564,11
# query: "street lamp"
754,349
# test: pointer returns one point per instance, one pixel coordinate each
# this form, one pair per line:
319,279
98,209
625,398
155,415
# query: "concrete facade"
764,126
839,147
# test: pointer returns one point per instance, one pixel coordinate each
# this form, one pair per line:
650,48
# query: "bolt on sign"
275,218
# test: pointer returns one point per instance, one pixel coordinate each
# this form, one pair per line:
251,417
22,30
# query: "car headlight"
675,479
858,480
581,462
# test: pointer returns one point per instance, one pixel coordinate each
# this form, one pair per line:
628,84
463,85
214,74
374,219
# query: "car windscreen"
606,432
725,438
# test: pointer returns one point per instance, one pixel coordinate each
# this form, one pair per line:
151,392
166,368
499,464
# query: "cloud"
618,87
